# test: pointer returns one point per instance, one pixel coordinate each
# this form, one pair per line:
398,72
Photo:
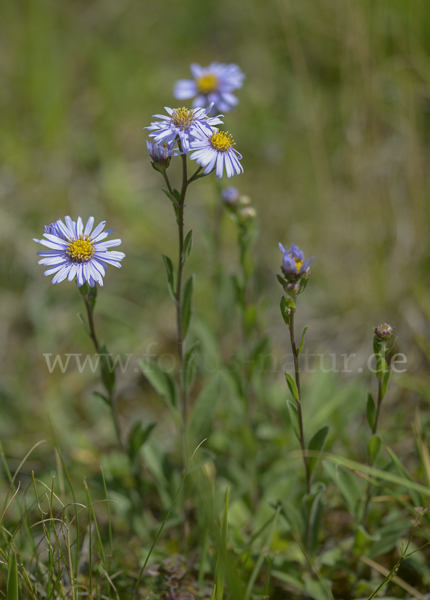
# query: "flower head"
75,251
384,332
294,266
182,123
214,83
231,195
215,150
161,153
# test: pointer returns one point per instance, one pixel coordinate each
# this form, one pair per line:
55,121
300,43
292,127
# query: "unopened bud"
383,332
247,213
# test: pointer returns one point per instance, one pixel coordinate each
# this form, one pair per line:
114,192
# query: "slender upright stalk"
105,366
299,404
179,204
181,262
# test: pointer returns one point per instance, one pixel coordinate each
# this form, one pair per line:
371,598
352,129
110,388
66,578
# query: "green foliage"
12,578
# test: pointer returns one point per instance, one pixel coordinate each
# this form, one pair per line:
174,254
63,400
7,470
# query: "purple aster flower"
216,151
214,83
231,195
161,153
77,252
184,123
294,264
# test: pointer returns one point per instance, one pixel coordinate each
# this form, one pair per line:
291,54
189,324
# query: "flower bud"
244,200
383,332
247,213
292,289
231,195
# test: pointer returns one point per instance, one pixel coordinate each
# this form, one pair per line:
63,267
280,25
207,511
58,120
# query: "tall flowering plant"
296,271
188,135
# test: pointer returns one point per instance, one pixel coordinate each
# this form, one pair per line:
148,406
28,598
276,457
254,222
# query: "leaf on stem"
384,384
294,417
106,367
161,381
302,341
102,397
317,444
188,244
190,365
287,305
172,198
371,411
138,437
373,448
187,296
347,485
170,276
204,407
292,387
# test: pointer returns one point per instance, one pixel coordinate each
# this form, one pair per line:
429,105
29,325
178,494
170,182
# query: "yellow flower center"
221,141
207,83
298,263
80,249
183,117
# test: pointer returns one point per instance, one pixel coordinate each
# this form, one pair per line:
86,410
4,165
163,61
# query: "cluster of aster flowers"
296,270
193,132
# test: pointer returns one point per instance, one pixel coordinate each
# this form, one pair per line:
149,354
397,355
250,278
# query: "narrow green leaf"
287,304
170,276
171,197
302,340
315,518
188,244
222,551
102,397
187,297
347,485
292,387
401,470
204,408
12,578
138,437
373,448
160,381
190,365
294,417
371,411
389,536
384,385
106,367
317,444
363,541
250,318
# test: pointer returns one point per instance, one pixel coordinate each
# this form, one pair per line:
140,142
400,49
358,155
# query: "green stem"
299,404
104,373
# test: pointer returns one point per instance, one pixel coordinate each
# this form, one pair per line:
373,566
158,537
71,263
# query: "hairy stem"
299,404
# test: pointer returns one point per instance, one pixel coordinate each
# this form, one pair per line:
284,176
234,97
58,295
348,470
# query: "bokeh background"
333,124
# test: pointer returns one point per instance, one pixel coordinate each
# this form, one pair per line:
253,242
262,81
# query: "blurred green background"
333,124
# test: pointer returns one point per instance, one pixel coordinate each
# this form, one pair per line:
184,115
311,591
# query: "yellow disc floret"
207,83
80,249
221,141
298,263
182,117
